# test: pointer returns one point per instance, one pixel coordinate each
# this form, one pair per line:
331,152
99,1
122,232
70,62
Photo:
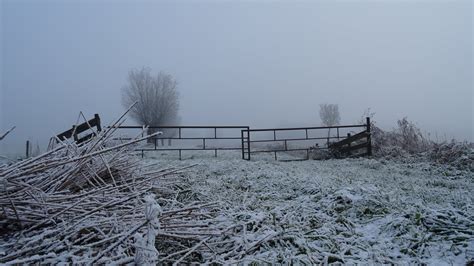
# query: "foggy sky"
261,64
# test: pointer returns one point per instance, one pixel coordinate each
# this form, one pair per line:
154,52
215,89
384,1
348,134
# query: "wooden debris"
83,203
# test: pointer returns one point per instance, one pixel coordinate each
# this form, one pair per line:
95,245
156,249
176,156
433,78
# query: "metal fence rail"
248,148
250,144
180,136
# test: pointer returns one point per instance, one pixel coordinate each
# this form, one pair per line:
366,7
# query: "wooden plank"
86,137
349,140
94,122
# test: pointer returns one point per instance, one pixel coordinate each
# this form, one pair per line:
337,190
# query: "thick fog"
262,64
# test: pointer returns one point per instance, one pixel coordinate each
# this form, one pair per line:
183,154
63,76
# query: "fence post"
97,119
369,139
248,142
27,149
349,144
242,145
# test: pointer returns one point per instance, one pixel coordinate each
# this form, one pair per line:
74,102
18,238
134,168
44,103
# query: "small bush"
458,154
405,139
407,142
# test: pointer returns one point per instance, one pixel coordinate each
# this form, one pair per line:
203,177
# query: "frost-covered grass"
352,210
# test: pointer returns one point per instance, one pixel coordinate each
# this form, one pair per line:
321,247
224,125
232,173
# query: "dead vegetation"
407,143
352,211
91,203
95,203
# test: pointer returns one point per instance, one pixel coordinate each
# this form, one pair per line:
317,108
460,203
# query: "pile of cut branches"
92,203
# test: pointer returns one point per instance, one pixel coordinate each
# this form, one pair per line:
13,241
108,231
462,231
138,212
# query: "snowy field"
351,211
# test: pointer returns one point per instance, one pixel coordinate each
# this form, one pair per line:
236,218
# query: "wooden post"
349,144
27,149
274,138
97,119
369,139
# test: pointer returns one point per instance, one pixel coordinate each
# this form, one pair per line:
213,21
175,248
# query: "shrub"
407,141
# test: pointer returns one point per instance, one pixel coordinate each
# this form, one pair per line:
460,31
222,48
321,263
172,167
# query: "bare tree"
168,133
156,96
329,114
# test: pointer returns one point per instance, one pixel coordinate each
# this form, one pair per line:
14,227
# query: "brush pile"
92,203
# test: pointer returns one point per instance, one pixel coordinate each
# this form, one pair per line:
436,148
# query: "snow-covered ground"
353,210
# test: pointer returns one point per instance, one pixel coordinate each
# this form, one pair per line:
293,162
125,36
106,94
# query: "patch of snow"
351,210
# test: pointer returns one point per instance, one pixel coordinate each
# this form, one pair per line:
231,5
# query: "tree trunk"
149,132
329,134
